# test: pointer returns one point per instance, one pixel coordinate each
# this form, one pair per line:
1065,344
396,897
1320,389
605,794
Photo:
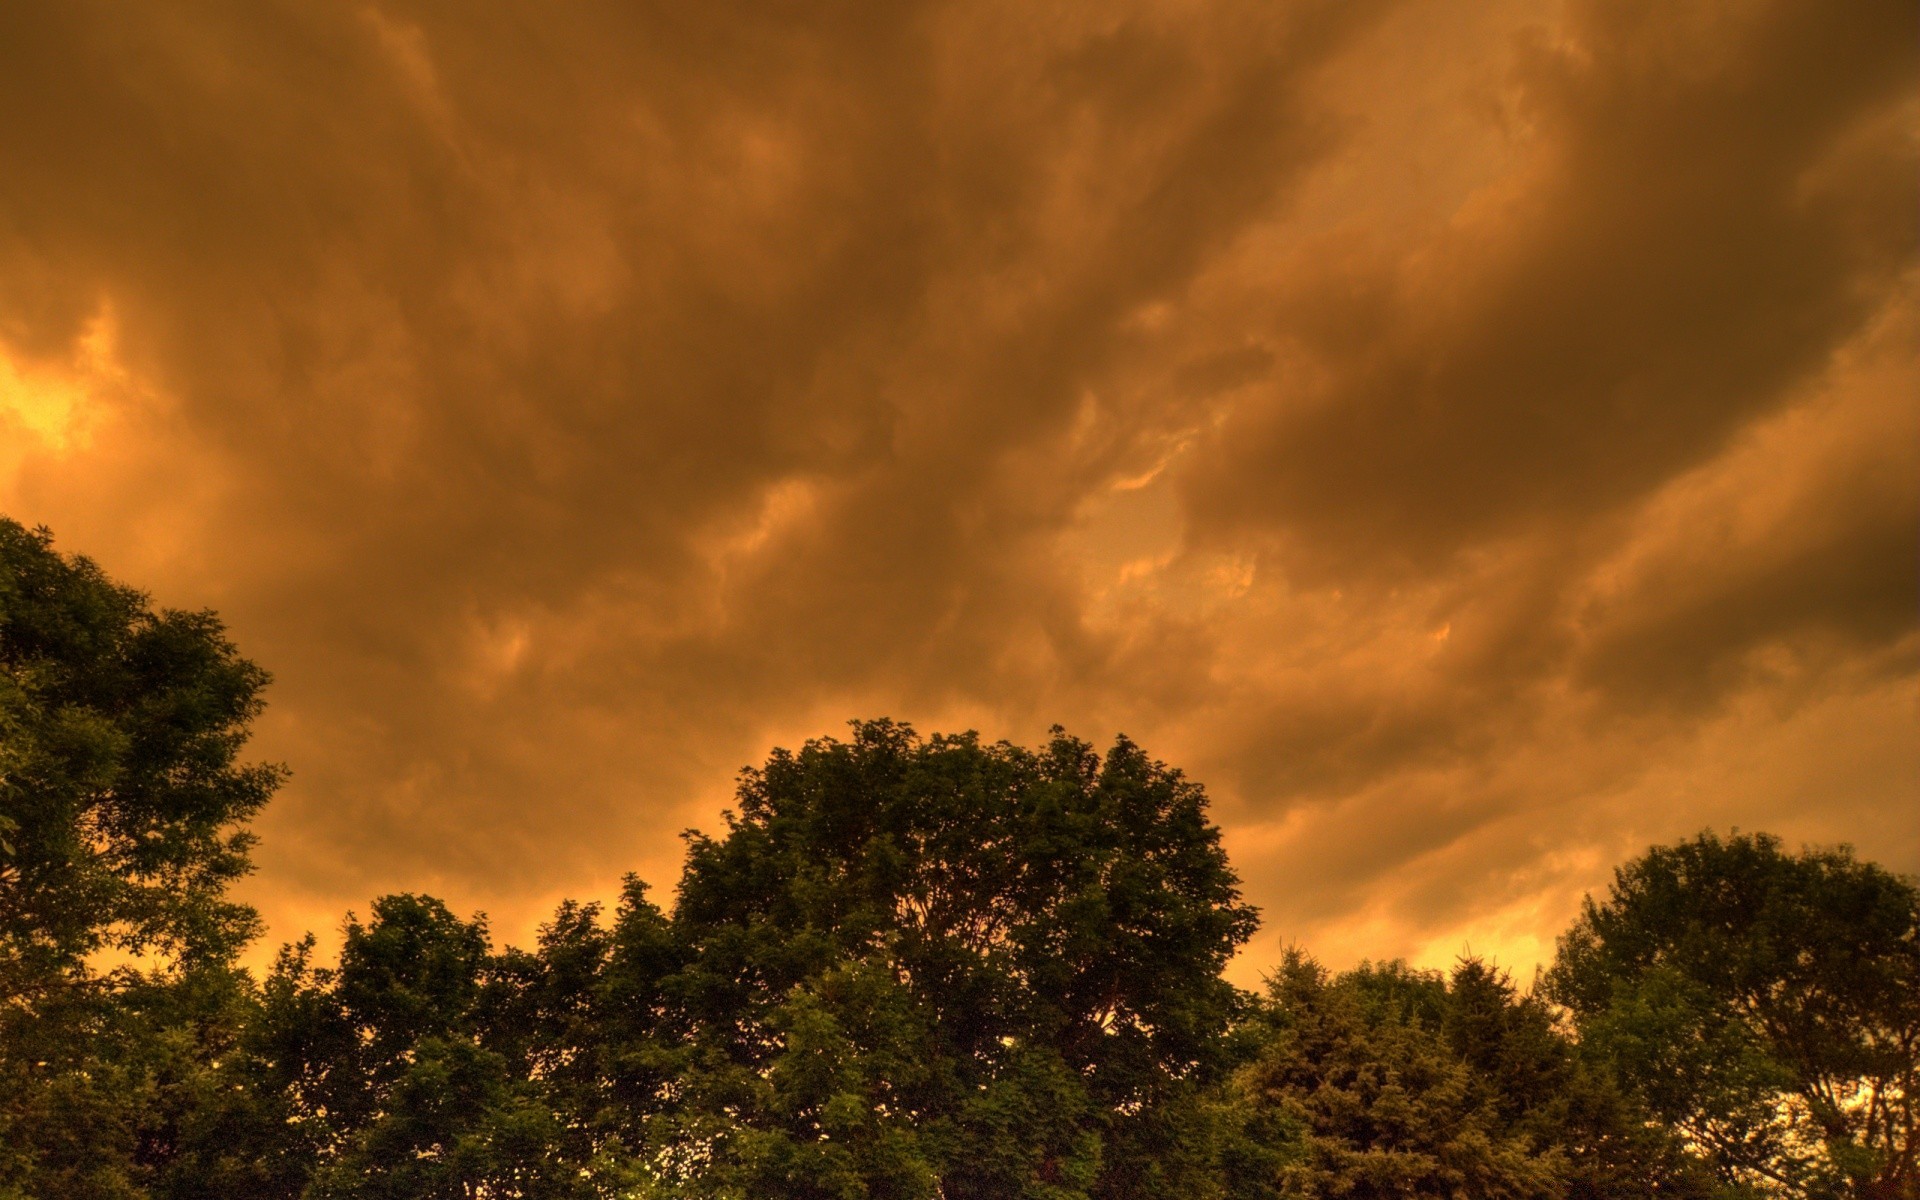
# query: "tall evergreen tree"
1390,1082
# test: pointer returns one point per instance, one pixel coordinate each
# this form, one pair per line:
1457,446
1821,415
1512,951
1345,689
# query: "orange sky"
1475,440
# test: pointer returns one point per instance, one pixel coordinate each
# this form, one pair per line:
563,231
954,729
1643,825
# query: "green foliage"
122,805
1389,1082
121,794
911,969
385,1073
1362,1068
1765,1003
934,966
1537,1086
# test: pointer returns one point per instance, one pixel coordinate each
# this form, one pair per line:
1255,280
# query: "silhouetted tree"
1528,1073
1358,1070
1767,1004
1390,1082
919,967
390,1076
122,811
910,968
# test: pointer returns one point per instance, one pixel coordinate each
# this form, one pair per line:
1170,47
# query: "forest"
908,966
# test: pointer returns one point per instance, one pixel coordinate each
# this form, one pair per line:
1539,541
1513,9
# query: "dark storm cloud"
1683,252
1379,409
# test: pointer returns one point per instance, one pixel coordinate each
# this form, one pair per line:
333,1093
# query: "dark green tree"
910,968
1370,1099
1530,1074
1389,1082
405,1073
123,805
937,967
1765,1003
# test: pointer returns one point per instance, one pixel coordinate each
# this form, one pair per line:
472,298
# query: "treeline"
909,967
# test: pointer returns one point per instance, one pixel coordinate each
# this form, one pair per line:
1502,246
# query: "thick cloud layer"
1476,441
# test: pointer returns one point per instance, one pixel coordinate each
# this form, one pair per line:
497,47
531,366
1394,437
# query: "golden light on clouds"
52,406
1474,440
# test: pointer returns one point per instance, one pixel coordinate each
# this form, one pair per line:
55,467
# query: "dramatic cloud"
1475,441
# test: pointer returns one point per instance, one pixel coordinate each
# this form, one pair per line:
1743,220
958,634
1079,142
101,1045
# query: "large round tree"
939,967
1766,1004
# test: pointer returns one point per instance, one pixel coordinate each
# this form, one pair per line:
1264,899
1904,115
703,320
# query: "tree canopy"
1035,938
120,730
908,968
123,803
1766,1003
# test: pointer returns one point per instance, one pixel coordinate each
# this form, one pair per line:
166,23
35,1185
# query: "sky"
1475,441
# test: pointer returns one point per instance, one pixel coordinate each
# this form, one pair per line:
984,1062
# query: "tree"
1526,1069
919,967
389,1076
1391,1082
123,806
1765,1003
1370,1100
909,968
